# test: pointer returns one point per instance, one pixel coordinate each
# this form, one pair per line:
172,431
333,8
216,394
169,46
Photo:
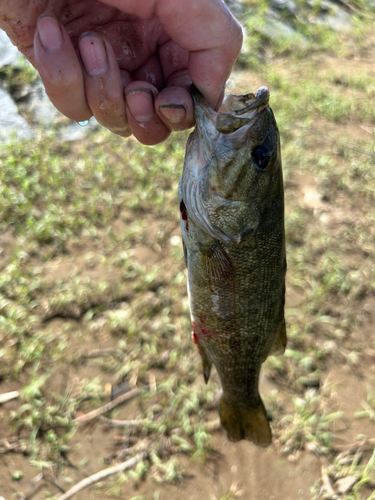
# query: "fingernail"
174,113
93,54
50,33
139,101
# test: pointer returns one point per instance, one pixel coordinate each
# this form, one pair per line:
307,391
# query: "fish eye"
261,156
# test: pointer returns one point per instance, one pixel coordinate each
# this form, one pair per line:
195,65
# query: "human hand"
129,63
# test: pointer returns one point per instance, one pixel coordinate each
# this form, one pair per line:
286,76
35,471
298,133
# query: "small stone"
12,125
10,55
43,111
175,240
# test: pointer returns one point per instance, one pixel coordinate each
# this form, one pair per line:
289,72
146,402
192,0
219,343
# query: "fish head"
240,142
232,175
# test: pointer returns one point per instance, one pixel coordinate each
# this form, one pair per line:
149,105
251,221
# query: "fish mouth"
239,110
235,112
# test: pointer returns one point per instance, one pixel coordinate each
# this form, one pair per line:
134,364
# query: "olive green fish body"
232,222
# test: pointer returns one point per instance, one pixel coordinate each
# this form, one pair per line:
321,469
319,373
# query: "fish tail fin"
249,423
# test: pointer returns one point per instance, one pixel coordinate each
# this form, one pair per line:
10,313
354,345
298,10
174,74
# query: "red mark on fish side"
200,329
203,327
194,337
184,214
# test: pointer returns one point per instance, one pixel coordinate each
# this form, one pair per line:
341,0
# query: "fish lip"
259,101
240,110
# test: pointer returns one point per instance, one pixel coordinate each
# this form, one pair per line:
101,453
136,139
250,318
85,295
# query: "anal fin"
206,363
280,341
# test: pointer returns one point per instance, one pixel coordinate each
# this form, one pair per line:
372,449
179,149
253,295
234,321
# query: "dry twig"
365,445
125,423
8,396
109,406
327,482
98,476
11,444
140,446
97,353
11,439
34,487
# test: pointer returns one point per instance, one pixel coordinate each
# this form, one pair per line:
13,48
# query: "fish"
231,201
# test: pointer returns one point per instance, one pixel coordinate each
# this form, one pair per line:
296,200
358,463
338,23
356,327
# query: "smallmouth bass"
232,221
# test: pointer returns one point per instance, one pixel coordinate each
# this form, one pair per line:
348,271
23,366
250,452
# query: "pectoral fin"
217,264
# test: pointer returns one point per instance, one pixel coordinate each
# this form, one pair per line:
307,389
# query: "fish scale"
232,222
